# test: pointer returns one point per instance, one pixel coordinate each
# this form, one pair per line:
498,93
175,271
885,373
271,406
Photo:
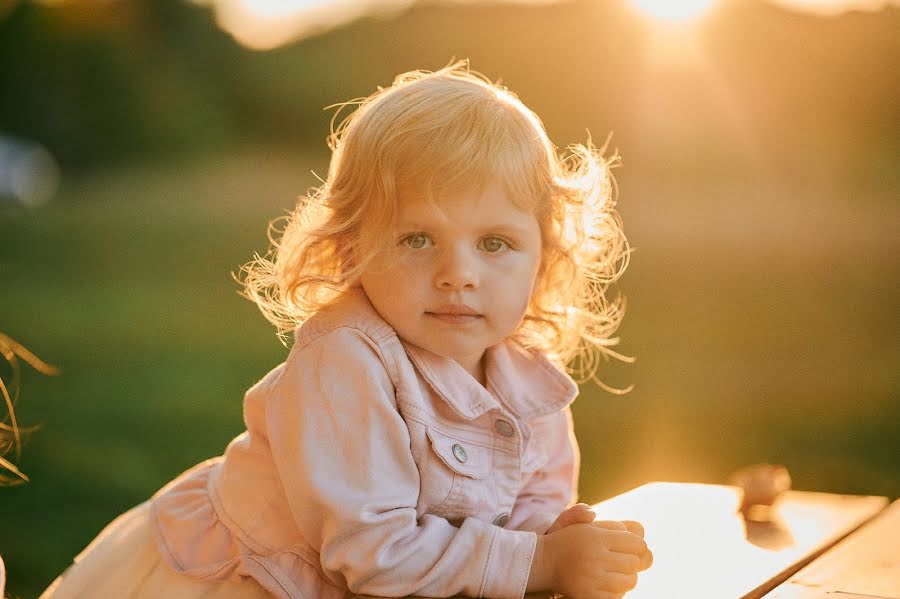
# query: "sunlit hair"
428,134
10,431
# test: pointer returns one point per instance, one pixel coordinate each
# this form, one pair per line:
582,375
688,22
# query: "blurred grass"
762,319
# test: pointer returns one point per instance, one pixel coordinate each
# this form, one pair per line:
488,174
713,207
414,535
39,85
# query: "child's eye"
416,241
493,245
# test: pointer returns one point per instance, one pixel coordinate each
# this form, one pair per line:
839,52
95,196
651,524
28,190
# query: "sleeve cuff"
509,564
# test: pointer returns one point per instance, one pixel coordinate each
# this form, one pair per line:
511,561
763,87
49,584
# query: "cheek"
516,294
532,282
378,286
531,270
391,287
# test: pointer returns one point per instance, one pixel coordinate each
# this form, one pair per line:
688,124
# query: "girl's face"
462,275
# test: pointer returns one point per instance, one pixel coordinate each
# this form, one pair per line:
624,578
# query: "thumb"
578,513
581,512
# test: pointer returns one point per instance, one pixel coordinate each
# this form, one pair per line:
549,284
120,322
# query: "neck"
476,369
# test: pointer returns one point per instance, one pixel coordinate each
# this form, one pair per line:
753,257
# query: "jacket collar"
521,380
526,381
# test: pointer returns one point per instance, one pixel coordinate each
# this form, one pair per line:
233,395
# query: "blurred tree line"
104,82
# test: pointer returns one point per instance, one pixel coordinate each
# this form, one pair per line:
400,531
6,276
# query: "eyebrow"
507,227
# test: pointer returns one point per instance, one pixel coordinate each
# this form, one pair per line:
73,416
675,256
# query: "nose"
456,270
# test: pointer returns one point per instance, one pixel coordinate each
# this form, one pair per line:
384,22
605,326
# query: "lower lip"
455,318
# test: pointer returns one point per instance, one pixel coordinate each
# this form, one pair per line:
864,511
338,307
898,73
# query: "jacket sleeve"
342,451
554,486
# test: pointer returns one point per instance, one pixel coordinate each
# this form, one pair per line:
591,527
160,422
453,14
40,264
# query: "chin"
441,347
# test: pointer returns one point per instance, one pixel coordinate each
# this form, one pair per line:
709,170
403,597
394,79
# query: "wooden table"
704,548
865,565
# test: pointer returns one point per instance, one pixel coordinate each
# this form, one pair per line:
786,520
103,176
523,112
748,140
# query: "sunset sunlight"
674,11
268,24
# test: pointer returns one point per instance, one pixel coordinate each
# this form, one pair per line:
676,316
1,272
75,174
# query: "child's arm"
342,453
554,485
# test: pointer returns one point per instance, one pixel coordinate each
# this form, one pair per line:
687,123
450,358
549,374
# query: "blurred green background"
759,187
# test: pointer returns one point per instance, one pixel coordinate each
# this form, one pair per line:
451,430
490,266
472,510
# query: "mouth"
454,318
455,314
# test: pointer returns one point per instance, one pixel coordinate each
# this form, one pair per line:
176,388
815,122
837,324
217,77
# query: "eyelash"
404,240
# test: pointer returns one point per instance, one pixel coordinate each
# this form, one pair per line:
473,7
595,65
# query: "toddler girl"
418,439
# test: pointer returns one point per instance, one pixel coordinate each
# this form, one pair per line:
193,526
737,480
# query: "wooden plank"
865,564
703,546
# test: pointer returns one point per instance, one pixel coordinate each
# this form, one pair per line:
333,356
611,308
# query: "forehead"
485,203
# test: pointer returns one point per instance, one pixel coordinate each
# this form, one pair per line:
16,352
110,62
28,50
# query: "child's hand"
580,513
595,561
632,527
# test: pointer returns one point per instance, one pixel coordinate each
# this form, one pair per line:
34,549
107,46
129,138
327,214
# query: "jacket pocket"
455,478
463,457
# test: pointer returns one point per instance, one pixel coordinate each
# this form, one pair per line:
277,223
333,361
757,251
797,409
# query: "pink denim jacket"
373,466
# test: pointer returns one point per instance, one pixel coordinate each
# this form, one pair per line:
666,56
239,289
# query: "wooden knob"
761,484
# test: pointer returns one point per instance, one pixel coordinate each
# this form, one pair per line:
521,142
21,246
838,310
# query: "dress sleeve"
554,486
342,451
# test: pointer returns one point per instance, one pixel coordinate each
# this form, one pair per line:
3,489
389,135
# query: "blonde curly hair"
10,431
429,133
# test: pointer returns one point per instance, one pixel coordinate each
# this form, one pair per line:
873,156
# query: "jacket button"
501,520
504,428
459,453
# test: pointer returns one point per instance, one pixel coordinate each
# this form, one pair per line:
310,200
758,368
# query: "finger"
610,524
634,527
606,595
624,563
618,583
646,560
623,541
578,508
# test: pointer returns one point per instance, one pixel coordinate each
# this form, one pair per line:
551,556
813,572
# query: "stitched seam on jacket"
525,578
487,562
275,576
428,421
